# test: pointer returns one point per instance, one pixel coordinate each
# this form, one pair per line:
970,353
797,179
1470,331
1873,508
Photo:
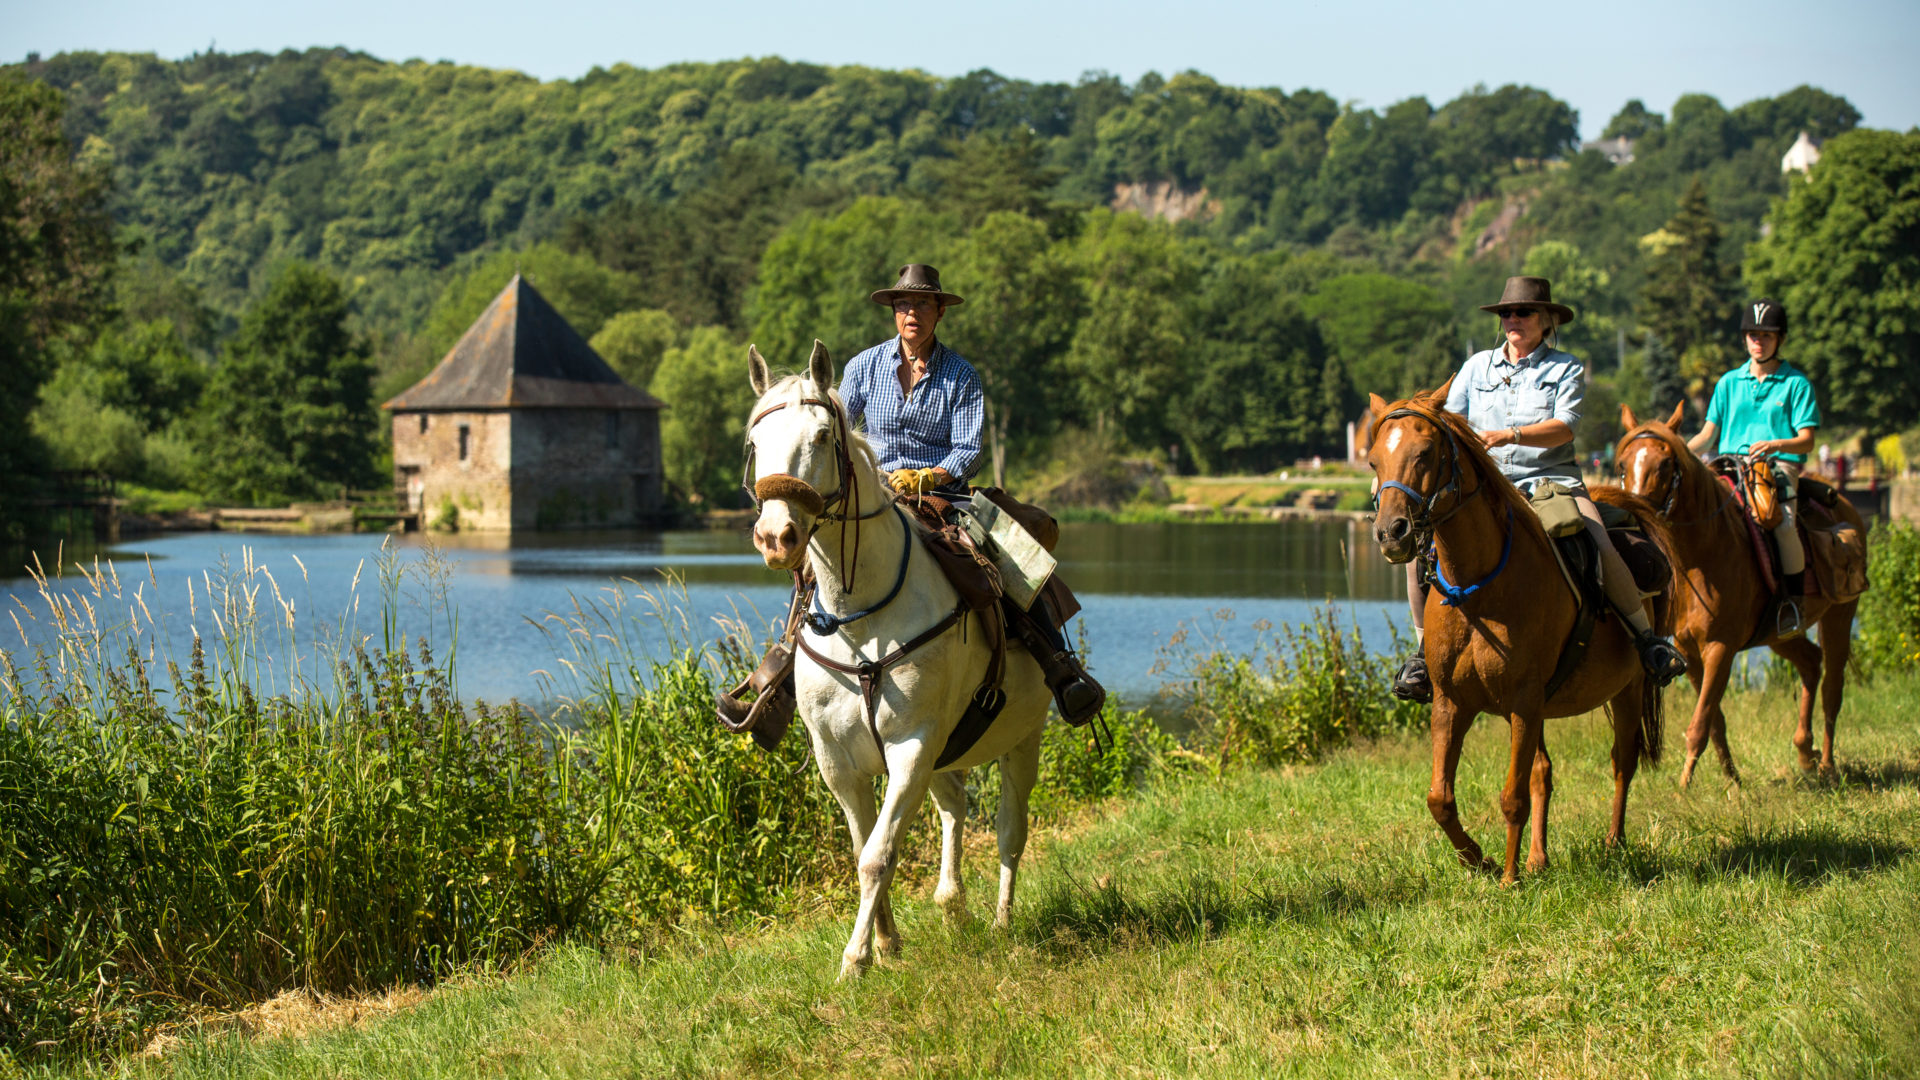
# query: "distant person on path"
1767,406
924,409
1524,399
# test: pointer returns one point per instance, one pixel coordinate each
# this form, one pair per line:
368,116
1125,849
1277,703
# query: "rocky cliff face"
1165,200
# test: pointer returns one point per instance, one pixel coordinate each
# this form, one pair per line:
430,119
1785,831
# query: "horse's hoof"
852,967
1536,867
886,945
1686,773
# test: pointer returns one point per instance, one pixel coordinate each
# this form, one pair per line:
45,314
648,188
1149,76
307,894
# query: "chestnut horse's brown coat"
1495,651
1723,598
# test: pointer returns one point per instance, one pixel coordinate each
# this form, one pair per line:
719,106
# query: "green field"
1303,921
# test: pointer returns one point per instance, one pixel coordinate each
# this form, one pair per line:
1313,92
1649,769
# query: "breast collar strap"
823,623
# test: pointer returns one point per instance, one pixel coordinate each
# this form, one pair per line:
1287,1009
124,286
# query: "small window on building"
613,430
464,432
423,423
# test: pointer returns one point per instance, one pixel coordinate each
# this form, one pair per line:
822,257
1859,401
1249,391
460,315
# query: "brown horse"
1718,610
1495,648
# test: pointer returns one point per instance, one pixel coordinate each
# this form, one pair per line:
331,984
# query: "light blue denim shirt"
1495,393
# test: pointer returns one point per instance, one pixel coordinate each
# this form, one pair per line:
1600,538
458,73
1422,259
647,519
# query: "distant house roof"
1618,149
1803,155
520,354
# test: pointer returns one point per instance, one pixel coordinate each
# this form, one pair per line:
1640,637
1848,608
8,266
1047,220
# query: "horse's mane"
856,440
1477,459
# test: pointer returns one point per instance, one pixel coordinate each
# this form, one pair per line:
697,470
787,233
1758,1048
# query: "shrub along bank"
174,838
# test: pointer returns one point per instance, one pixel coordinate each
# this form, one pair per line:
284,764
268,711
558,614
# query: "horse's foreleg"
855,794
950,797
1626,709
1542,793
1524,746
1019,770
1448,725
1804,655
1836,647
1708,670
907,782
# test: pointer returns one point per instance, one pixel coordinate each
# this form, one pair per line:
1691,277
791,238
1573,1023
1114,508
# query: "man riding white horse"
924,408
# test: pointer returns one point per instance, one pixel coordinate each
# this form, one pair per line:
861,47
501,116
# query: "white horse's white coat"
921,698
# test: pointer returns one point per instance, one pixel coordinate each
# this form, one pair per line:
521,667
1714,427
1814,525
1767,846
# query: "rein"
823,623
1426,524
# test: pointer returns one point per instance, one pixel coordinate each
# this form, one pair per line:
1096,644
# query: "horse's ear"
757,370
1627,419
1438,397
820,366
1679,413
1377,405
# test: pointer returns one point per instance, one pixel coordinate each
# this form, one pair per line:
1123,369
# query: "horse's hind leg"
906,790
1542,792
1019,770
1625,710
1804,655
950,797
1836,647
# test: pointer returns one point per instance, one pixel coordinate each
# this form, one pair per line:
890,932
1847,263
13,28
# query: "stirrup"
1077,695
1786,618
771,711
1412,683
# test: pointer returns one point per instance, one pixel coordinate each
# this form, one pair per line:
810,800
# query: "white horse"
822,500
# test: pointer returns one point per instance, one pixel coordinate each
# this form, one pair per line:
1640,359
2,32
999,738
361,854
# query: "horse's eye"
820,436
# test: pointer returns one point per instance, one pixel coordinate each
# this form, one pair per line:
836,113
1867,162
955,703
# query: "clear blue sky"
1594,55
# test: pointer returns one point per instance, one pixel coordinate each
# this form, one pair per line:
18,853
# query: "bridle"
1670,468
1425,523
786,486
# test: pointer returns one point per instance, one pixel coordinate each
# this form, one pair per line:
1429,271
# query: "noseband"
1425,523
804,495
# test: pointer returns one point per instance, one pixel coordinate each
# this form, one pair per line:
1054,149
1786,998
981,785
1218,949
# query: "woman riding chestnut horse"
1500,610
1766,406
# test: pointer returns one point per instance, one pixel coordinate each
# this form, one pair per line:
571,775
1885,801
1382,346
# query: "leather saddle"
1835,550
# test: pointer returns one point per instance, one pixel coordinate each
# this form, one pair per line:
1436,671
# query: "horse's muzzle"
1395,535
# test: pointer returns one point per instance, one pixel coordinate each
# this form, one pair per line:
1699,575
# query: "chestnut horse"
1718,611
1497,619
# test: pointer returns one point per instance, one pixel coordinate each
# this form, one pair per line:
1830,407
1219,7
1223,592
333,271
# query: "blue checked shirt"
935,427
1495,393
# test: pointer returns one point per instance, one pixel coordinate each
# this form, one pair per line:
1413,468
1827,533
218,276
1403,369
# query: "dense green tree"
56,255
1633,121
1133,349
989,174
816,278
1689,298
1584,287
1844,258
288,413
1381,329
1022,303
633,342
705,386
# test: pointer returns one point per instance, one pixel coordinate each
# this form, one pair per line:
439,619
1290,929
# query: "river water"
1139,585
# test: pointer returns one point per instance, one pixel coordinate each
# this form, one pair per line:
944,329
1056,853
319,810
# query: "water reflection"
1138,584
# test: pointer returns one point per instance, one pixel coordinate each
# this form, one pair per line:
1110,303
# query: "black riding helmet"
1764,314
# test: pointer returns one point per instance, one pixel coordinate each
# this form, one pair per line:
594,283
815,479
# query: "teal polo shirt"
1748,409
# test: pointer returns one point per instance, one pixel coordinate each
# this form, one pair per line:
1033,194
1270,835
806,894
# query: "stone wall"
471,493
585,468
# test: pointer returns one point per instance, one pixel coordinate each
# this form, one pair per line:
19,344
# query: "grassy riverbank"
1306,920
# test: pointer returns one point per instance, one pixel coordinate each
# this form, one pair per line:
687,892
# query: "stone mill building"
523,427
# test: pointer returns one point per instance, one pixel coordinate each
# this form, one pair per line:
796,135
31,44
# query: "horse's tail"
1657,530
1653,719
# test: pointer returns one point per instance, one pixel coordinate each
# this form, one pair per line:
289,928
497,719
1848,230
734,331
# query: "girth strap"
870,671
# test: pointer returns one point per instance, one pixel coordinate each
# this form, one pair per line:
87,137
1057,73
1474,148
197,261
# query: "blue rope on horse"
1451,594
823,622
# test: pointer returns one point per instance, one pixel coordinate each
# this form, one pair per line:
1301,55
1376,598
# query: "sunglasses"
1519,312
904,306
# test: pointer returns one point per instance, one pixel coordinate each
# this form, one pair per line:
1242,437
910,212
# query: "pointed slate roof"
521,354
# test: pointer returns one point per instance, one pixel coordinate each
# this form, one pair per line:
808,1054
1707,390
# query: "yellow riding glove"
912,481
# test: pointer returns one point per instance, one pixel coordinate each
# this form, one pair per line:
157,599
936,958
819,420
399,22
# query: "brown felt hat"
1530,292
917,279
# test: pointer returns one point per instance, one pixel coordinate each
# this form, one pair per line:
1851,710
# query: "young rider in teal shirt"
1766,406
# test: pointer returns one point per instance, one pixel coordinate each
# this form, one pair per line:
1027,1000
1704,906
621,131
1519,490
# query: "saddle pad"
1762,553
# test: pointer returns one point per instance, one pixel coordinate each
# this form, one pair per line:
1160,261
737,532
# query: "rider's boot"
1078,696
1662,661
1412,682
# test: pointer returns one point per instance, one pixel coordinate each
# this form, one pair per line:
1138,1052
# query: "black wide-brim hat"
1530,292
917,279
